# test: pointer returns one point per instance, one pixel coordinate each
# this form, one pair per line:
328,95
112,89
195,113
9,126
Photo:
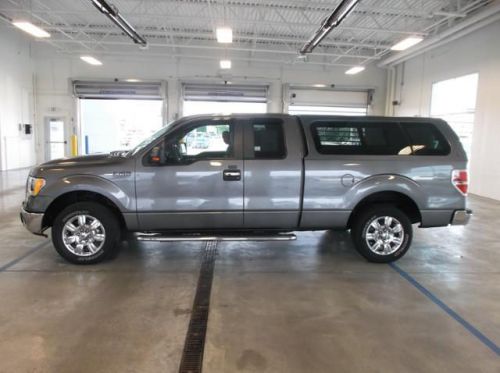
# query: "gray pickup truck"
256,177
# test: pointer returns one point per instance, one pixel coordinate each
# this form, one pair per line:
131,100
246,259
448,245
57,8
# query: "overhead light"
319,85
91,60
355,70
31,29
328,24
407,43
132,80
224,35
225,64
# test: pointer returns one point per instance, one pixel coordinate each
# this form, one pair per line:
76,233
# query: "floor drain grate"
192,356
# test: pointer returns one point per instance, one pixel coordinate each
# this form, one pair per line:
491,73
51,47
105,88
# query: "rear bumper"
32,221
461,217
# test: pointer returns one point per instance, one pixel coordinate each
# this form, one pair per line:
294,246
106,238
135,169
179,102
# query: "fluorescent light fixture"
355,70
91,60
112,12
328,24
319,85
225,64
132,80
407,43
31,29
224,35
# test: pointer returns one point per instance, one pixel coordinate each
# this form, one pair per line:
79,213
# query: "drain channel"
194,346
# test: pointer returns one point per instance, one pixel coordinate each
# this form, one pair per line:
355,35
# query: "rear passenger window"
426,139
374,138
269,141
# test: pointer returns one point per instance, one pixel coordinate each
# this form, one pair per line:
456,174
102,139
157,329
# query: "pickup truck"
259,177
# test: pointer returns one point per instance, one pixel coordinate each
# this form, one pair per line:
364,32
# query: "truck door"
273,152
192,178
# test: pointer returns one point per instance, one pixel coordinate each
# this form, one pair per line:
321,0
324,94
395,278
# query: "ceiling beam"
215,48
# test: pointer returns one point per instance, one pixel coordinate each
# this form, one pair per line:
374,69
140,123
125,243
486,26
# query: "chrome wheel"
83,235
384,235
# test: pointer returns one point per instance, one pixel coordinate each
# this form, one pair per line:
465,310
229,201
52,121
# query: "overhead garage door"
324,101
117,115
117,90
223,98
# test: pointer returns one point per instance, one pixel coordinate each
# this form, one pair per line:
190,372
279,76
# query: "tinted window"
269,141
360,138
426,139
204,141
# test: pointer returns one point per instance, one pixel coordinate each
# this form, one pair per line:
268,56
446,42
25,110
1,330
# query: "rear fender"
385,183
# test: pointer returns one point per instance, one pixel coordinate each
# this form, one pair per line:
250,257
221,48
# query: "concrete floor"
313,305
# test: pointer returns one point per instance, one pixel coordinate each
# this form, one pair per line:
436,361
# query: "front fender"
81,183
385,183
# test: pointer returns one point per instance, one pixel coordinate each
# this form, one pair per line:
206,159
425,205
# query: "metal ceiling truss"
263,31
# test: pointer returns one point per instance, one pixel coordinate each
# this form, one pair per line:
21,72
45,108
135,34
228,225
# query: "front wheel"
86,233
382,234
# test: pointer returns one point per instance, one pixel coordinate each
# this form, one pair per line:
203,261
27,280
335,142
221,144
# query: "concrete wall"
478,52
16,100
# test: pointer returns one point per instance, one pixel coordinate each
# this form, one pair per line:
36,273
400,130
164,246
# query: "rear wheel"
382,233
86,233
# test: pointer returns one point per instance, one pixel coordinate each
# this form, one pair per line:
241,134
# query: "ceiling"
263,31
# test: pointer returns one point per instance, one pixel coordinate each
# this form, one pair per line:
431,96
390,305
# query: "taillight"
460,179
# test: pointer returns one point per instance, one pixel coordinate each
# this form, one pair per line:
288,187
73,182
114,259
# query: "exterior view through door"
55,138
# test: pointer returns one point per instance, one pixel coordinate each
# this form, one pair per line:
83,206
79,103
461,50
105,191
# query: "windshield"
150,139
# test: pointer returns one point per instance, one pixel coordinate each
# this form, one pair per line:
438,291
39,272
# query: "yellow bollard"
74,145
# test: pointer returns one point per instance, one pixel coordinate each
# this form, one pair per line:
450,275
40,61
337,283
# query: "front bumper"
461,217
32,221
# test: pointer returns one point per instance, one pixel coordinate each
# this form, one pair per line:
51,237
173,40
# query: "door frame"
46,134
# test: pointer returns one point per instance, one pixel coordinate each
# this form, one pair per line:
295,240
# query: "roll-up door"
328,102
117,90
225,93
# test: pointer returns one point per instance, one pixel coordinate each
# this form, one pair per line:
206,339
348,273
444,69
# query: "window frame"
249,138
188,127
358,126
448,150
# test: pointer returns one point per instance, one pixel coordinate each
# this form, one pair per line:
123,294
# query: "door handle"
231,175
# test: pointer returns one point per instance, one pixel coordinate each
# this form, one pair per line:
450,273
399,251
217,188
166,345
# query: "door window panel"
56,141
207,141
269,140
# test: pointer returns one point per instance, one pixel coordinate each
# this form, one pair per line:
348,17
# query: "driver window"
207,141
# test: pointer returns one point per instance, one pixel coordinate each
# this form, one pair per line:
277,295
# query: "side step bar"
193,237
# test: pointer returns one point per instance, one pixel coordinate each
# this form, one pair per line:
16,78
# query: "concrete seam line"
18,259
433,298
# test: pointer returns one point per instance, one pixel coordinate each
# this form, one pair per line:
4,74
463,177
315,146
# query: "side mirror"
154,156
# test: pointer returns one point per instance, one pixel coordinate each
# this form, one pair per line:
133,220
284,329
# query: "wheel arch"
394,198
68,198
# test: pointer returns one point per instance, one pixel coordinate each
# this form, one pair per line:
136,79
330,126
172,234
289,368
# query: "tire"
98,236
386,244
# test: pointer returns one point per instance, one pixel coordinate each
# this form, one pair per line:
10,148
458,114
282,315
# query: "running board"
192,237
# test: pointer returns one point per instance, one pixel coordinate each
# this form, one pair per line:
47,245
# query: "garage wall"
55,71
17,149
477,52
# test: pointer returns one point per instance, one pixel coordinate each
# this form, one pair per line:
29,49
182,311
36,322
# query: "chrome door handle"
231,175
